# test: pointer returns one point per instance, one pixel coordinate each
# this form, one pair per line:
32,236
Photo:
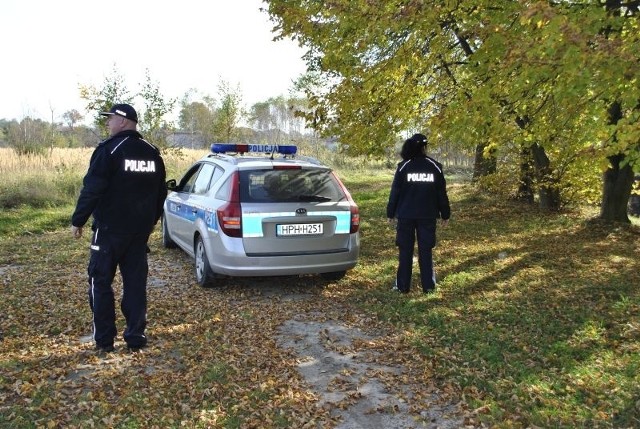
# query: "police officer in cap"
124,189
418,198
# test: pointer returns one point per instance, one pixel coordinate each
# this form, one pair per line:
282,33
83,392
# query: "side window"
224,191
201,185
217,174
187,182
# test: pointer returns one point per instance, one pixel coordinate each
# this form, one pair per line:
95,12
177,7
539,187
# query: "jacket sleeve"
394,195
95,184
443,200
162,191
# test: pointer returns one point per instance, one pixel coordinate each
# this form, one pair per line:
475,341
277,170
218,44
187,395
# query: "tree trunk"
617,183
634,200
548,191
483,165
525,188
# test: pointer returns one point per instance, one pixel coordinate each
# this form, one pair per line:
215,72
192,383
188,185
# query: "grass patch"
25,220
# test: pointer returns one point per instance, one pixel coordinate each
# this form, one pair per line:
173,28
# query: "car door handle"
194,211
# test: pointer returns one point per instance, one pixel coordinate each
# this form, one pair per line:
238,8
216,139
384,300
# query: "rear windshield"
261,186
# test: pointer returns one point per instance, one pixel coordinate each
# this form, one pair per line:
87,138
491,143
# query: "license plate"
293,229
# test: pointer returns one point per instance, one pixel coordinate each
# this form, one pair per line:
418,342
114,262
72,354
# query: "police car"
260,210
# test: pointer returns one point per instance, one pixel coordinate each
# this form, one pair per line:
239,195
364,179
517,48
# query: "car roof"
252,161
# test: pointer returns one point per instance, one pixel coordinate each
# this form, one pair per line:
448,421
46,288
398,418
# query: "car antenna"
274,149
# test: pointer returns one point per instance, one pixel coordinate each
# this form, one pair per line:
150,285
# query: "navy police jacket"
419,191
124,187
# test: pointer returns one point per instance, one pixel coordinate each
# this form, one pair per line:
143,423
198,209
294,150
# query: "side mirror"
172,185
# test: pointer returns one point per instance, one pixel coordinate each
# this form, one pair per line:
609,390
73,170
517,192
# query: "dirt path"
344,357
356,384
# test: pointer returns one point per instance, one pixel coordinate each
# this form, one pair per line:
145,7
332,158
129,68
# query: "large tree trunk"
548,191
617,183
483,165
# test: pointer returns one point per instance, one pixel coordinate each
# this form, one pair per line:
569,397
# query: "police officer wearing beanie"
418,198
124,189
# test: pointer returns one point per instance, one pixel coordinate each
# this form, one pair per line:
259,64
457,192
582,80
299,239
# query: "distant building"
186,139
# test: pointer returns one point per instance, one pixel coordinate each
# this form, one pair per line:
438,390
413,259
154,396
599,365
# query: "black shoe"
105,349
429,290
395,289
136,349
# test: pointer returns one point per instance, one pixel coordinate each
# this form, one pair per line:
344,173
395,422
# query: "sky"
50,47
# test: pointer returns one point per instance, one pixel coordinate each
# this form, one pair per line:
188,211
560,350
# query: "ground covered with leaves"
536,323
218,357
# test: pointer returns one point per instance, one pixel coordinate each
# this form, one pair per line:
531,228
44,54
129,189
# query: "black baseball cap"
124,110
420,139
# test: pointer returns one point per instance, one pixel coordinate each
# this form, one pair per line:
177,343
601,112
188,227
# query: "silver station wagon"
259,210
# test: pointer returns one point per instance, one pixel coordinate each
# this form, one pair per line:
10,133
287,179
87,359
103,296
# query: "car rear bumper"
234,262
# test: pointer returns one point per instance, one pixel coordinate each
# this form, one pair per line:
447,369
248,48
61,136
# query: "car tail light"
355,211
230,214
230,219
355,218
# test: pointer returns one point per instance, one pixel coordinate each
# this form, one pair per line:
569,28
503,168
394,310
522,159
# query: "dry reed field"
55,178
14,166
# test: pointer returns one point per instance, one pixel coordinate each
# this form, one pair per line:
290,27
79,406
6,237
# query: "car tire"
333,276
167,242
204,275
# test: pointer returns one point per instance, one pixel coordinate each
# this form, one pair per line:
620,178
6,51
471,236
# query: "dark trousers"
406,233
129,253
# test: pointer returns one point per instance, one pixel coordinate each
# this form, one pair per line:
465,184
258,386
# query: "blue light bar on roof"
255,148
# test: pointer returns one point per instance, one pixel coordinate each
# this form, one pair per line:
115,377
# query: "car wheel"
167,242
204,275
333,276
